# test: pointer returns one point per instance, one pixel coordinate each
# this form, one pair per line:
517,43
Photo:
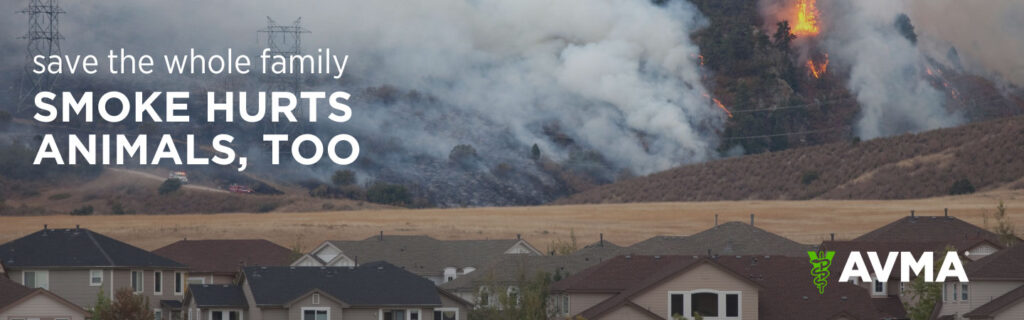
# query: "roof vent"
380,267
843,298
629,256
805,297
657,257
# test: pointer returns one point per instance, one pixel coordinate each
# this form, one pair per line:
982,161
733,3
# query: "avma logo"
856,268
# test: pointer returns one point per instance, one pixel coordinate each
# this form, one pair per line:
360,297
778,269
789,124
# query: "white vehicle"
179,175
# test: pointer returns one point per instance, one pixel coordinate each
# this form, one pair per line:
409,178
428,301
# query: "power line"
788,133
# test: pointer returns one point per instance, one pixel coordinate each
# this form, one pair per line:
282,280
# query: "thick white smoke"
885,69
616,76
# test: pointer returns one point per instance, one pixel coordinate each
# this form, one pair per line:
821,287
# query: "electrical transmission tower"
43,39
286,41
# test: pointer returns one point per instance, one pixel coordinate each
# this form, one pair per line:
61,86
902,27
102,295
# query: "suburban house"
438,260
716,287
371,291
973,241
995,290
731,238
508,274
18,302
220,261
76,264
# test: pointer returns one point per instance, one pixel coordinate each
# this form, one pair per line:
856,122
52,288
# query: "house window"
676,305
446,314
36,279
158,282
137,284
316,314
565,304
394,315
945,292
956,292
513,294
414,315
225,315
732,305
95,278
485,297
157,314
963,292
179,283
704,303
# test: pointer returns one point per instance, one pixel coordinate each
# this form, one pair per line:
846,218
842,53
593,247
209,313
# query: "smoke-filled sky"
617,76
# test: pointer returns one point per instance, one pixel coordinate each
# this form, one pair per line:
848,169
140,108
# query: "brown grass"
623,224
902,167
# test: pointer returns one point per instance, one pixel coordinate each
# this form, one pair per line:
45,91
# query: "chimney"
77,228
44,227
519,236
751,219
833,236
709,252
912,213
716,220
356,262
947,212
381,235
602,240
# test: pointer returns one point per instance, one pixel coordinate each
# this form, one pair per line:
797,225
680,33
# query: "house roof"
944,229
13,293
785,287
370,284
214,296
992,308
77,248
1002,265
511,269
843,249
225,256
425,255
731,238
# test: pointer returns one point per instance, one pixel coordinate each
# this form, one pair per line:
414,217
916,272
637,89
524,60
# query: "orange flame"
722,106
818,70
806,18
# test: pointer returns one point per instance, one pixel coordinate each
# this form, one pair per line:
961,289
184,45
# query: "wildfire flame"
720,105
818,70
806,18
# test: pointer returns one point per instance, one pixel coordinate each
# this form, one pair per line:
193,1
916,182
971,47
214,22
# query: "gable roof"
13,293
225,256
371,284
1004,264
785,287
78,247
992,308
214,296
944,229
511,269
731,238
425,255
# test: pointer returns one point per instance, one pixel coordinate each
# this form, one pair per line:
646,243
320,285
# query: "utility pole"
43,39
286,41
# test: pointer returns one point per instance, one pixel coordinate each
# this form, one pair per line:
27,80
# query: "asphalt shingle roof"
1006,264
731,238
510,269
944,229
213,295
425,255
11,291
370,284
226,256
992,308
76,248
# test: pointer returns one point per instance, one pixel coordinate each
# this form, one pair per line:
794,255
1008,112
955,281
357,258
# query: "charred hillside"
976,157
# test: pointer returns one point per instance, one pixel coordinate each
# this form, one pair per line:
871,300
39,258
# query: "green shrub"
386,193
169,185
962,186
83,211
117,209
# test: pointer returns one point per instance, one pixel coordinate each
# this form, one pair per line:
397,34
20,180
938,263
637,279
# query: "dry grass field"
623,224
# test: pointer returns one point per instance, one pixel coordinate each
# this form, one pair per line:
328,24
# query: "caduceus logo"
820,261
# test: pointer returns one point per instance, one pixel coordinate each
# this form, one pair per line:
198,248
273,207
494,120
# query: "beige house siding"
703,276
447,302
275,314
979,293
359,314
579,302
43,307
74,285
1014,312
627,313
295,310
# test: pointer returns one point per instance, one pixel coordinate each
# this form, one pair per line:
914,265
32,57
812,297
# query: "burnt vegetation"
977,157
